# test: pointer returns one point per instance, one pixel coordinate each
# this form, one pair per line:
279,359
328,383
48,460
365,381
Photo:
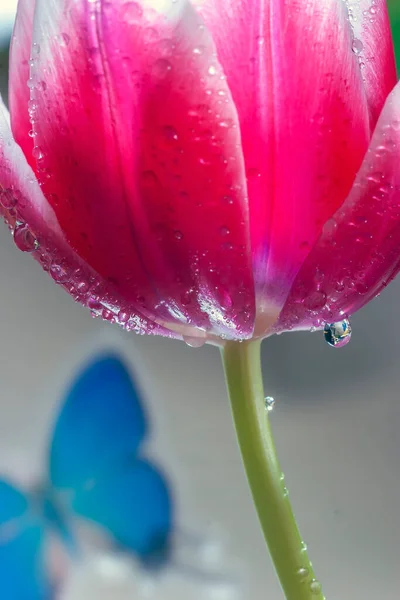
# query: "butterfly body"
96,475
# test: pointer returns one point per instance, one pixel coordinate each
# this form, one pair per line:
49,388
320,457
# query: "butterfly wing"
101,422
133,504
22,559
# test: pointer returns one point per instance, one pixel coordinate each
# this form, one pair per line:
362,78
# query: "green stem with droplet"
243,374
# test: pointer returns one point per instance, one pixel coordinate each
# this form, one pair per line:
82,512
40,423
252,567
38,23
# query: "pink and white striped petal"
36,230
373,45
304,123
138,151
358,252
19,94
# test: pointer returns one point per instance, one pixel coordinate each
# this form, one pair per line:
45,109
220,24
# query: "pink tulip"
207,168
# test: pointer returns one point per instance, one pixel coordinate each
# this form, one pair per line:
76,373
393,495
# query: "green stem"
244,381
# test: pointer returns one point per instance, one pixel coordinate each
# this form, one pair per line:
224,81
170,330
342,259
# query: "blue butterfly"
96,472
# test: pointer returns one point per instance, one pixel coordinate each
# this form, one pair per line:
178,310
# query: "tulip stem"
243,374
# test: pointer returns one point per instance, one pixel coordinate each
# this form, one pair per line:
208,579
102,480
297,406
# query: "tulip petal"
139,153
36,230
20,55
304,121
373,45
358,251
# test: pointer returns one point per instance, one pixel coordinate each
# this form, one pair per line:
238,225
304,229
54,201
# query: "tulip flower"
214,171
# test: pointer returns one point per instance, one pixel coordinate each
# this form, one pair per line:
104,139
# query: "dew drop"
24,239
212,70
357,46
338,334
269,403
7,198
194,341
315,300
178,234
315,587
63,39
132,11
37,153
302,573
170,135
59,273
123,317
161,68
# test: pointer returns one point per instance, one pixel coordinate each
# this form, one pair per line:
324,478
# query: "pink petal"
36,230
138,150
373,45
19,75
304,122
358,252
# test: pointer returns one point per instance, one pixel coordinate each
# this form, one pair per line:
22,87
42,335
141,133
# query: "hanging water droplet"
315,587
194,341
338,334
24,239
269,403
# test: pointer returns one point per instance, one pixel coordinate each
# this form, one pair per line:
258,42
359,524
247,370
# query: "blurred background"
336,421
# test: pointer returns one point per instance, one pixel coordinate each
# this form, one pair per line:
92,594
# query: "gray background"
336,423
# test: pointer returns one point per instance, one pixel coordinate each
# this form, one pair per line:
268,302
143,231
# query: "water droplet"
224,230
315,587
35,49
149,179
357,46
63,39
37,153
338,334
7,198
303,573
212,70
194,341
170,135
59,273
269,403
178,234
24,239
32,81
131,12
315,300
123,317
41,86
161,68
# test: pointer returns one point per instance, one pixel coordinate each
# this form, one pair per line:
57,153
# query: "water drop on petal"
193,341
24,239
357,46
338,334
